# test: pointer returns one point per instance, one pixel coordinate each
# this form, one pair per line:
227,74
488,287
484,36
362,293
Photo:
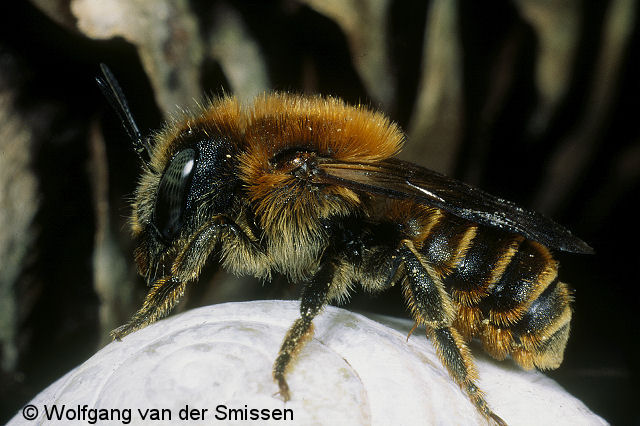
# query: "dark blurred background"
535,101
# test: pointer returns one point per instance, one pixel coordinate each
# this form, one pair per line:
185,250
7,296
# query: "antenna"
112,91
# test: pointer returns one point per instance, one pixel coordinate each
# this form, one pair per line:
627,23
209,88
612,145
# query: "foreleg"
162,297
166,291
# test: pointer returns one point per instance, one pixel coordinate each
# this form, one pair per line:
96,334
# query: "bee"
310,187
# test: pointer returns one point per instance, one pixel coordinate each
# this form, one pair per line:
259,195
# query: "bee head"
197,183
187,182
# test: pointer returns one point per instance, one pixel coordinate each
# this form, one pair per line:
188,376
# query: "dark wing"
399,179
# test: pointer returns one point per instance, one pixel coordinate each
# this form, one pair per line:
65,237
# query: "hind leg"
431,305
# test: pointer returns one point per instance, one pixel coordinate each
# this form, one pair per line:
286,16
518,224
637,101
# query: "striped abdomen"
505,288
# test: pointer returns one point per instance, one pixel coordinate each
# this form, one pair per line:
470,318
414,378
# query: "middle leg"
314,298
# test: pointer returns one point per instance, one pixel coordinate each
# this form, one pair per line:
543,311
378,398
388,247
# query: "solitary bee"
309,187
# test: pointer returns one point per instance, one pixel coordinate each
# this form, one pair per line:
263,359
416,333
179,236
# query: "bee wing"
402,180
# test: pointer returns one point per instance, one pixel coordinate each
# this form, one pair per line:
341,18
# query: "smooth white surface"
355,371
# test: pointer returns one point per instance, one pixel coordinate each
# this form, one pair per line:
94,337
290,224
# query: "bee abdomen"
527,311
542,332
471,260
530,270
484,262
506,291
475,275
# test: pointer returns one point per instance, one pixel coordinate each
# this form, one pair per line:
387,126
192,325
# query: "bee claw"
283,392
497,419
415,325
120,332
116,334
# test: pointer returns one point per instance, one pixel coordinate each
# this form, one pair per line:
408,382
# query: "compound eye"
172,193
